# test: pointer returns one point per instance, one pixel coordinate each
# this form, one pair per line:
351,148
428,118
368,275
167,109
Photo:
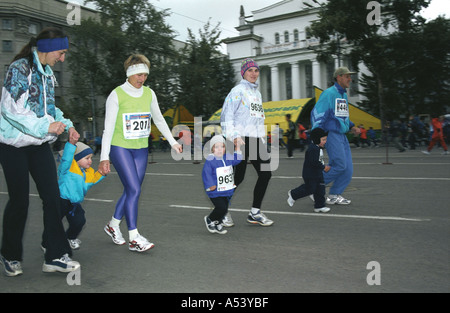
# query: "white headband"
137,69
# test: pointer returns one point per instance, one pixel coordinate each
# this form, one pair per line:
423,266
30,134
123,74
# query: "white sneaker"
227,220
140,244
337,199
259,218
65,264
74,243
290,200
214,226
115,234
322,210
426,152
445,152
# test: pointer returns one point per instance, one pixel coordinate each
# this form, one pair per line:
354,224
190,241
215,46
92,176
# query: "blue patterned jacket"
27,105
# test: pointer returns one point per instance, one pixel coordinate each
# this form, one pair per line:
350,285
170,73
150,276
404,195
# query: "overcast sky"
194,14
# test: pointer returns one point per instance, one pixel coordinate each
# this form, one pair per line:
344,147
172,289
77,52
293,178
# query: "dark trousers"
220,208
311,187
256,153
18,164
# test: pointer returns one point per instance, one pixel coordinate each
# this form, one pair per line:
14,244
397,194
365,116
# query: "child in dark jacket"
312,174
218,179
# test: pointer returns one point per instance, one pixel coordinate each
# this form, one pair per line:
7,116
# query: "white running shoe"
65,265
322,210
290,200
259,218
214,226
337,199
115,234
140,244
227,220
74,243
426,152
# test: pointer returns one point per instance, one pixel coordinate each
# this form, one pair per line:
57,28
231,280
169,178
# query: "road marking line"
392,218
378,178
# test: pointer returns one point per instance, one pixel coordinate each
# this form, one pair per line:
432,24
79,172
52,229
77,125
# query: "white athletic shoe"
227,220
337,199
290,200
140,244
322,210
65,265
115,234
259,218
74,243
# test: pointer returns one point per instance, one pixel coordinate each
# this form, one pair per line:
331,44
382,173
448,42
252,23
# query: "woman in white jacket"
129,111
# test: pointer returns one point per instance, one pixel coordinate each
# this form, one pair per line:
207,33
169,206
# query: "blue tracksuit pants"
340,161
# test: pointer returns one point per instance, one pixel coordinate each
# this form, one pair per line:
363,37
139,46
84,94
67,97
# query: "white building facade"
276,38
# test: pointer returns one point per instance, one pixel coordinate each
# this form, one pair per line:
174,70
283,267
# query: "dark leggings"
256,153
220,208
18,164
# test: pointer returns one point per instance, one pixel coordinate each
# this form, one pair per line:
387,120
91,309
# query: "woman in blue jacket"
29,122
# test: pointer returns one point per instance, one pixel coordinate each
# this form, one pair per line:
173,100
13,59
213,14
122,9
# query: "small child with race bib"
313,168
218,180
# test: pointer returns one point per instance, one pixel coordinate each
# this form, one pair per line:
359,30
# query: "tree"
392,51
205,75
102,45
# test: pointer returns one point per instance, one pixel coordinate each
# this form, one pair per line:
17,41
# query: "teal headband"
52,44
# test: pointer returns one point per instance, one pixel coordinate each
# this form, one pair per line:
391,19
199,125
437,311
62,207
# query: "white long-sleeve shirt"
112,108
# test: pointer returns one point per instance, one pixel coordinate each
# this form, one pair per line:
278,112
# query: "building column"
316,73
295,72
275,82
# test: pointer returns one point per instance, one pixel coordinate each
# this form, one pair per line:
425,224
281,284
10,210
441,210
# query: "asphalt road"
394,237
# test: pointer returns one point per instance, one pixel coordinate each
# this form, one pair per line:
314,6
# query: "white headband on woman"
137,69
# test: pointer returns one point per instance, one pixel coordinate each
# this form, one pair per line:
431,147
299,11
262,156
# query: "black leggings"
220,208
18,164
256,153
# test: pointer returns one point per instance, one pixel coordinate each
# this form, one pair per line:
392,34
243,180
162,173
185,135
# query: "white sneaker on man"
337,199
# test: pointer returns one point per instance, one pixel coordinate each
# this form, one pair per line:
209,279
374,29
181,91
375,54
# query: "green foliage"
205,75
407,56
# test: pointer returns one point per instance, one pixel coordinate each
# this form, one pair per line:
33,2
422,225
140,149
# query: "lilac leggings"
131,165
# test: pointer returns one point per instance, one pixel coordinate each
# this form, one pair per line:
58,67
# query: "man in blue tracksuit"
331,113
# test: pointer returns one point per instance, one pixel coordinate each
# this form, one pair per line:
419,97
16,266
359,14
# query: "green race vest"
133,122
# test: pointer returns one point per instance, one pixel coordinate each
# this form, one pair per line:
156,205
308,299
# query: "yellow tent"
300,110
274,111
357,115
179,115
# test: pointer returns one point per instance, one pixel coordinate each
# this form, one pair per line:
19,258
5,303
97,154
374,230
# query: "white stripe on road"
391,218
378,178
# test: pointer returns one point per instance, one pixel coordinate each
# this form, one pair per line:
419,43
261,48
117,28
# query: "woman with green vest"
130,108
